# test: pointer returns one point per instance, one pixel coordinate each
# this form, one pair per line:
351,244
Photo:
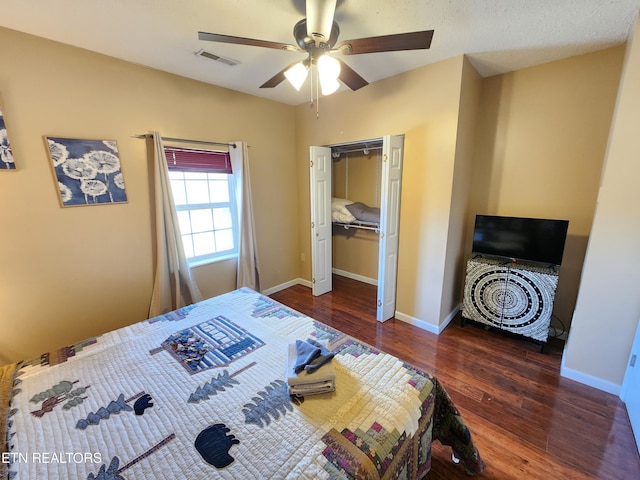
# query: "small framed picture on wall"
6,154
87,172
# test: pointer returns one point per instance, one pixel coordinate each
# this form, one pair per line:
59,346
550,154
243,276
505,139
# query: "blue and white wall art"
6,155
88,172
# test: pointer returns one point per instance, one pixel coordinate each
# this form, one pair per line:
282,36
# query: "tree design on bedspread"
274,401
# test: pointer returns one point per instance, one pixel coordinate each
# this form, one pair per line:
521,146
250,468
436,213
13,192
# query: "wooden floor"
527,421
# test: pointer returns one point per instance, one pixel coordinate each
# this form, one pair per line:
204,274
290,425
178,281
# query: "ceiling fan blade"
277,78
320,18
350,78
387,43
217,37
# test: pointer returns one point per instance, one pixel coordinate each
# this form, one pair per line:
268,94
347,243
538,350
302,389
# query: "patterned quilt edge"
7,380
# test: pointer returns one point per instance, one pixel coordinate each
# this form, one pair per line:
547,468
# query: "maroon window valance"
197,160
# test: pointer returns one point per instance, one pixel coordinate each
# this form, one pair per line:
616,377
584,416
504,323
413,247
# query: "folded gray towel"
322,380
320,359
305,354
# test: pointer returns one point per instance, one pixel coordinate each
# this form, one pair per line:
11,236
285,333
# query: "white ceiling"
497,35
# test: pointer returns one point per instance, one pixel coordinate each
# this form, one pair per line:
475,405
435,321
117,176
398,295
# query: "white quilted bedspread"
200,393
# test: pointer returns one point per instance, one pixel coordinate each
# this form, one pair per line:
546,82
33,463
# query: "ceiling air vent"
211,56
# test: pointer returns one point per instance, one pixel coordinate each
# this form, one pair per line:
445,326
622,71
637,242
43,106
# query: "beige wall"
541,139
424,105
70,273
529,143
457,248
608,306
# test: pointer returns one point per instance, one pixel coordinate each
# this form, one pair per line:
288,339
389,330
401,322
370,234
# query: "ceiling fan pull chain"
315,102
311,85
317,93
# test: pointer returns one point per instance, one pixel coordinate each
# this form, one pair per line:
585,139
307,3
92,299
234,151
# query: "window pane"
184,222
179,194
176,174
224,240
197,191
222,218
218,176
191,175
203,243
219,191
188,245
201,220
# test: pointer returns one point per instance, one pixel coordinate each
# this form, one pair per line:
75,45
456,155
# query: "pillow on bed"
338,204
342,217
363,212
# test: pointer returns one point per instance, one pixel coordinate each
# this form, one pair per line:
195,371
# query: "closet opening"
355,209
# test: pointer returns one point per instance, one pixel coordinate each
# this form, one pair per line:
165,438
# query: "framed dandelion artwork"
6,155
88,172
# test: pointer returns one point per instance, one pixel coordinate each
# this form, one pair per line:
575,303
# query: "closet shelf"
360,225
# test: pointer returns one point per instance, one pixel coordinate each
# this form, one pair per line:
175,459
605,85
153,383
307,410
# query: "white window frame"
217,256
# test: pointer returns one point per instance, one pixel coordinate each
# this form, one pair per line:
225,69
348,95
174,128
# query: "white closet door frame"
392,152
320,196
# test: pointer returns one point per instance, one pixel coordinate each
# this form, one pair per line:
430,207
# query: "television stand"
509,296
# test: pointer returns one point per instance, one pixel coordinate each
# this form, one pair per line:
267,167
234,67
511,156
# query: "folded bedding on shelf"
339,212
364,213
339,204
346,211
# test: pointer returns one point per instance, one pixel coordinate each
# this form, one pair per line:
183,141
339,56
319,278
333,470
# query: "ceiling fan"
317,35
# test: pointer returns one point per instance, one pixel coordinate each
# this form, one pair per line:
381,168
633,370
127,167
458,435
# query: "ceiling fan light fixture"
320,19
297,75
329,87
328,73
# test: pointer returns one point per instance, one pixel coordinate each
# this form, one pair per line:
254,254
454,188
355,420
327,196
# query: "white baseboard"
450,318
416,322
355,276
290,283
307,283
429,327
589,380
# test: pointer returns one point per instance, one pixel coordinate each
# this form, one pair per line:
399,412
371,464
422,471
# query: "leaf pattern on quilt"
212,387
114,407
110,473
57,394
58,389
274,401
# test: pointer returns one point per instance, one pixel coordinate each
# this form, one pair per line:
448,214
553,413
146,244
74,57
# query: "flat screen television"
529,239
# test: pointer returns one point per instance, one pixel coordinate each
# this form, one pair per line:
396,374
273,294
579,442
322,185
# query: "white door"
320,174
630,391
392,146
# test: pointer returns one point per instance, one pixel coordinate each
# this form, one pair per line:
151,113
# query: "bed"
200,392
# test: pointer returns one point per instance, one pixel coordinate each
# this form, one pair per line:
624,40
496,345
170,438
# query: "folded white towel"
312,389
303,383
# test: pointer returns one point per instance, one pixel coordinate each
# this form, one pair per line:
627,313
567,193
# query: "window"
204,194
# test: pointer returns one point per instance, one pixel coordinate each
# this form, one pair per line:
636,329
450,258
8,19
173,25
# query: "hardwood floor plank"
527,421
